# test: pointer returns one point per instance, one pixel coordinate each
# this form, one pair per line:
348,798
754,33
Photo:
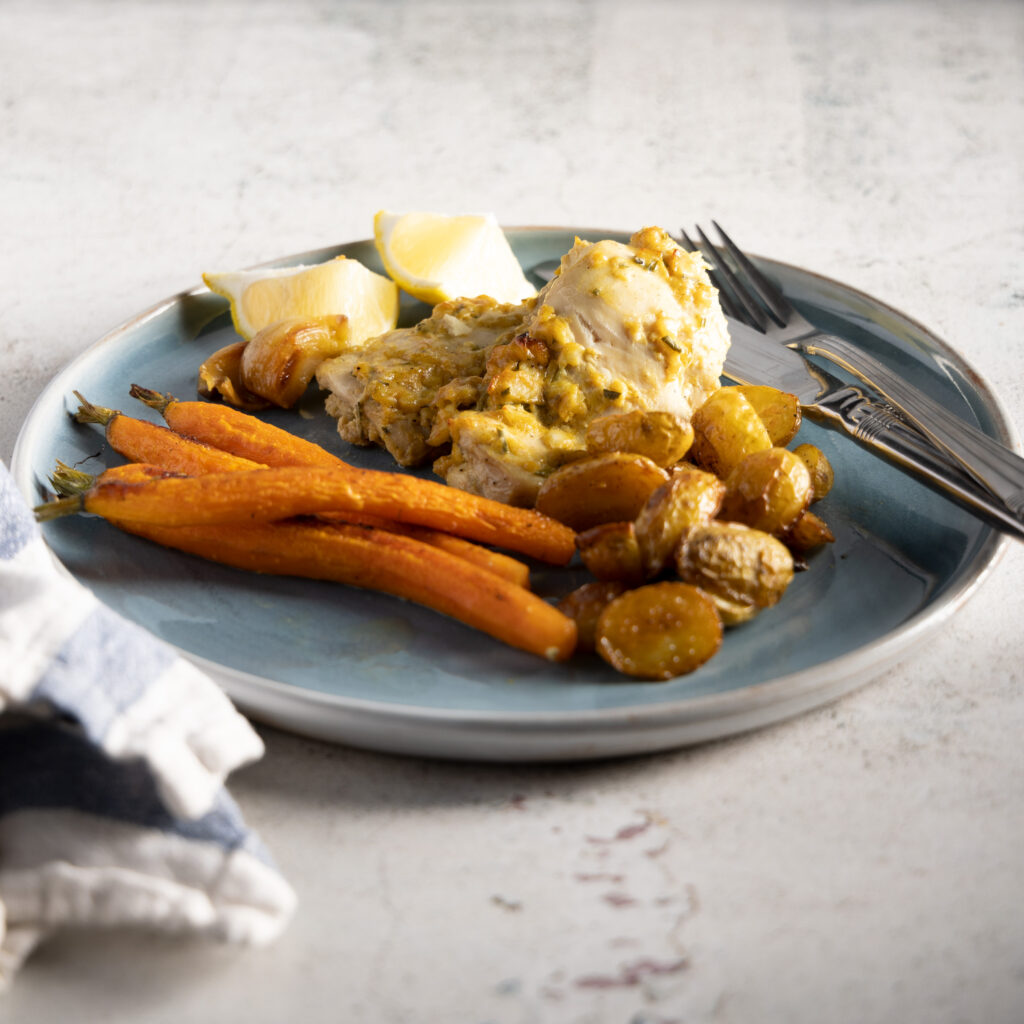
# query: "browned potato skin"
779,411
220,376
769,490
279,362
608,488
808,533
664,437
611,552
585,605
742,569
659,631
726,429
687,499
822,474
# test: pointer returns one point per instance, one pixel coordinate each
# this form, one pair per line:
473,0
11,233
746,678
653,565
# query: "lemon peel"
339,287
435,257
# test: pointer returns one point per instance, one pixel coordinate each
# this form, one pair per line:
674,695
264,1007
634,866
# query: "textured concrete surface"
861,863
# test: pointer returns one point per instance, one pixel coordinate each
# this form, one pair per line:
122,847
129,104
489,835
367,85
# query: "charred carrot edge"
262,495
383,561
153,444
237,432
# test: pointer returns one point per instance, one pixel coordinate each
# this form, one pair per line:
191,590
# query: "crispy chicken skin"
620,327
400,389
513,388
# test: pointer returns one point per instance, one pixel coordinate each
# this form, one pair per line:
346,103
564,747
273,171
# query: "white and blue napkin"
113,756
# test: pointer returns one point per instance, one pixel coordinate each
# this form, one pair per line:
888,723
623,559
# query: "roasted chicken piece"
400,389
620,327
513,389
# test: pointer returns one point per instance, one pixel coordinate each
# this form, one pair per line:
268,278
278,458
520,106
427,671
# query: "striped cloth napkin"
113,756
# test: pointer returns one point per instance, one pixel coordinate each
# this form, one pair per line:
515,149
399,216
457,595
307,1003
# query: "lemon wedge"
262,297
435,257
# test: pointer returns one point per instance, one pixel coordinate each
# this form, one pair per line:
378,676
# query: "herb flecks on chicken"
512,389
400,389
620,327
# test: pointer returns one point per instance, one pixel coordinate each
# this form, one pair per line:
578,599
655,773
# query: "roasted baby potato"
822,474
279,362
687,499
727,428
220,376
768,490
659,631
742,569
607,488
585,605
664,437
611,552
808,532
779,411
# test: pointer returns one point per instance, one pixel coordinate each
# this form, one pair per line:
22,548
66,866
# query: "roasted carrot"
367,557
263,495
68,481
510,568
237,432
153,444
241,432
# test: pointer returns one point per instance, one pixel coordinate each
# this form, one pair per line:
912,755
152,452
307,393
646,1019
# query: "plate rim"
759,703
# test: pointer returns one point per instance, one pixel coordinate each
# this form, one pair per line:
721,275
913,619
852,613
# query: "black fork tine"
729,306
769,294
755,315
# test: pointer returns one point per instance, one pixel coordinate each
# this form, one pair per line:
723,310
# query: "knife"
753,359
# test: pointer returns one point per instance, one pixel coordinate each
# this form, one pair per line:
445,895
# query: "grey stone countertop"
858,863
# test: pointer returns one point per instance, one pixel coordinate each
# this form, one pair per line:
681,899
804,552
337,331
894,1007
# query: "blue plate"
373,671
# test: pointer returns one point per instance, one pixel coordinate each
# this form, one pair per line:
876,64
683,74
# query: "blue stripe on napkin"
103,668
46,766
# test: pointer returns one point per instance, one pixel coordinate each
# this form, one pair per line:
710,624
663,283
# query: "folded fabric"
113,754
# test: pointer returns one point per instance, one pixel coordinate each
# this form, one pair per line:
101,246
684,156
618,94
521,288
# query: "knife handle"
992,464
874,426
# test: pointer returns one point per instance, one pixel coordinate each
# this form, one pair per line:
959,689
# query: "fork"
748,295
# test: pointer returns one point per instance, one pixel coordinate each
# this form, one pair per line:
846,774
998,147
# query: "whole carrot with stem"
68,481
264,495
373,559
151,443
237,432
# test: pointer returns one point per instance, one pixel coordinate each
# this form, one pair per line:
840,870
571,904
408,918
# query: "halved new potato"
726,429
608,488
742,569
687,499
659,631
611,552
664,437
768,490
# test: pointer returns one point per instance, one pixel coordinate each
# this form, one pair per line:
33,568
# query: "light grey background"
859,864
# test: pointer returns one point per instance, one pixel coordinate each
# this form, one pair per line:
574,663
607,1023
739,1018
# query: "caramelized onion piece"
220,376
279,362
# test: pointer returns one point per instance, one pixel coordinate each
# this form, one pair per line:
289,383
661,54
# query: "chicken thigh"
620,327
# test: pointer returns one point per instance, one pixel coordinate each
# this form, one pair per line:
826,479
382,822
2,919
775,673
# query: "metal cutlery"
748,296
824,397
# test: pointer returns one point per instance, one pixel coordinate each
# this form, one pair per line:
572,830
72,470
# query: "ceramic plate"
373,671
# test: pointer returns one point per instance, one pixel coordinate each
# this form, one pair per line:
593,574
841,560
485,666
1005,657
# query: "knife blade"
754,359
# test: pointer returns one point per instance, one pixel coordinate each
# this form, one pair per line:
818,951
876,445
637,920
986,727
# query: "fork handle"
849,409
992,464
